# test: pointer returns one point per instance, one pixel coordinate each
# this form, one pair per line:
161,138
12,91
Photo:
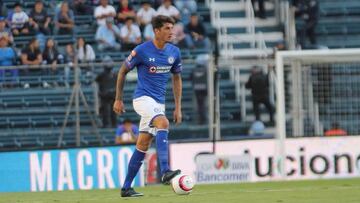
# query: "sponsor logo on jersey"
171,60
152,59
152,69
159,69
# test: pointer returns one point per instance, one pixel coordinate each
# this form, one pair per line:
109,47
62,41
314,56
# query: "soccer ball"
182,184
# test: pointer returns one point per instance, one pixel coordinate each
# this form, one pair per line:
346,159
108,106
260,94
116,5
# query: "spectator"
257,128
259,84
126,133
3,9
156,3
199,84
106,36
130,34
167,9
261,12
19,21
64,19
5,32
107,83
39,19
124,11
97,2
335,130
149,32
7,58
85,54
145,14
31,56
179,35
309,12
196,34
85,51
186,7
104,11
50,55
81,7
69,60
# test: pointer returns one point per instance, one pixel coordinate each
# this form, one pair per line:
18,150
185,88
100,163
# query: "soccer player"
155,60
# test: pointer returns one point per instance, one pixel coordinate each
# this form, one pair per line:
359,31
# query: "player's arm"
119,105
177,90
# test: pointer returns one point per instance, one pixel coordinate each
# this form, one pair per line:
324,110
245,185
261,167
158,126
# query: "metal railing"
287,18
77,94
226,41
250,17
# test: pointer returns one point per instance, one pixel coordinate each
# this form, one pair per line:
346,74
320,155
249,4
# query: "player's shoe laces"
130,192
166,178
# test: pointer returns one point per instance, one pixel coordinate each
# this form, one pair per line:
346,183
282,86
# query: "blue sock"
133,168
162,149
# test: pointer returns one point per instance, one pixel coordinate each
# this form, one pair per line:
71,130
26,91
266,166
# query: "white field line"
205,193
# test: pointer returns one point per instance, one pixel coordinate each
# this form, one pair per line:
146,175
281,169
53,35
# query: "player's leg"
141,106
269,107
161,123
256,104
142,145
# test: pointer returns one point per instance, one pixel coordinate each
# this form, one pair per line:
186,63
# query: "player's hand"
119,107
177,116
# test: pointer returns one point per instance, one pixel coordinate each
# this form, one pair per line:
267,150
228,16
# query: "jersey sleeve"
135,130
119,131
133,59
177,66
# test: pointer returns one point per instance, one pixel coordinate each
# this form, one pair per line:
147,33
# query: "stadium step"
235,6
269,36
238,22
246,52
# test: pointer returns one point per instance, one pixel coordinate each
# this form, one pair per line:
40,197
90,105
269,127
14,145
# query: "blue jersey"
153,68
121,130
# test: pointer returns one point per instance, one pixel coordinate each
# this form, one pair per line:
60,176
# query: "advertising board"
69,169
306,158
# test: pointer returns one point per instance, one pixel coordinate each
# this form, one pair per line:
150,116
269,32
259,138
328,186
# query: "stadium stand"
240,34
338,25
243,36
337,28
32,118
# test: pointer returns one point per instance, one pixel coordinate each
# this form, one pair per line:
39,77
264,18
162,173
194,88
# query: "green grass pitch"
319,191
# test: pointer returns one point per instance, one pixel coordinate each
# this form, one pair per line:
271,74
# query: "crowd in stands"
115,29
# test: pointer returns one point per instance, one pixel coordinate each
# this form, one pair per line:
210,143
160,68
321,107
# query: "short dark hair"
159,21
32,41
17,4
127,120
145,2
129,18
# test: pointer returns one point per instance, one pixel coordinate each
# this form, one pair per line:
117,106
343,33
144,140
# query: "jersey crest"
171,60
